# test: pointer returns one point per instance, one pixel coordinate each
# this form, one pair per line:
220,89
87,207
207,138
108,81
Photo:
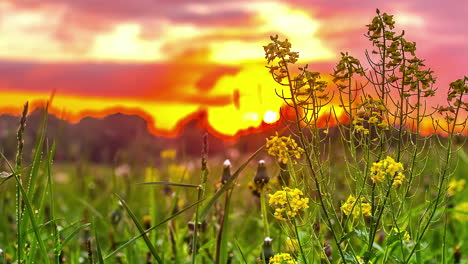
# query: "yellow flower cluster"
362,207
292,245
461,212
387,166
455,186
284,148
287,203
361,261
371,112
282,258
406,236
168,154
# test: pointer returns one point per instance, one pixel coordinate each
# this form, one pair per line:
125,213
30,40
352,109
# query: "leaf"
129,242
70,236
98,247
392,239
150,245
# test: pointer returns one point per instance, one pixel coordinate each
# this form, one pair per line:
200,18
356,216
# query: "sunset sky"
169,61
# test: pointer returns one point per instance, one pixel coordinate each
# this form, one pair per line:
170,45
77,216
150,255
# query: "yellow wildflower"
406,235
282,258
361,129
383,124
461,212
373,120
455,186
351,207
398,180
284,148
151,174
361,261
366,208
387,166
288,203
168,154
292,245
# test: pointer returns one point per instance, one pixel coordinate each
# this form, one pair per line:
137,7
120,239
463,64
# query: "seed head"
226,172
267,249
261,178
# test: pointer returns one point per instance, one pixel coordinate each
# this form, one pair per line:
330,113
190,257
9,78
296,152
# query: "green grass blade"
71,235
50,188
37,156
98,247
32,219
141,230
240,250
129,242
226,186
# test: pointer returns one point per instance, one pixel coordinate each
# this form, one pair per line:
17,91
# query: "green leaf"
129,242
98,247
150,246
70,236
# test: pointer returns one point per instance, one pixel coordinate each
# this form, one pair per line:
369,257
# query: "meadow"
361,182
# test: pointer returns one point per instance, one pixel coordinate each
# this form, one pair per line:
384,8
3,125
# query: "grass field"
362,187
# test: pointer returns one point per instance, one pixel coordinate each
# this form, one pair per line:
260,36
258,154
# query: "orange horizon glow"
198,60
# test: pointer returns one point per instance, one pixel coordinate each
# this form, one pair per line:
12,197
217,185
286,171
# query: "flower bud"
267,249
226,172
261,178
147,221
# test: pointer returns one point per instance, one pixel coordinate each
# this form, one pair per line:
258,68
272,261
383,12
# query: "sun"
270,117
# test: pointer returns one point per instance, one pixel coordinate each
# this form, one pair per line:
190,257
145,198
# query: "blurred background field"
85,186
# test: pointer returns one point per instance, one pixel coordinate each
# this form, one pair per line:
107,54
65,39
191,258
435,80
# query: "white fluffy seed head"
227,163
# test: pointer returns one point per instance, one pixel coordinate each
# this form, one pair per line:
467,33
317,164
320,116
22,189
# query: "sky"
172,61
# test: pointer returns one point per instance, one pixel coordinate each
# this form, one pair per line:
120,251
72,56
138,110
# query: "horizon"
207,60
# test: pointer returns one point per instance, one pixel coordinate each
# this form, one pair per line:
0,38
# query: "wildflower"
361,129
361,261
387,166
226,172
461,212
151,174
282,258
352,207
455,186
168,154
288,203
261,177
292,245
398,180
403,234
284,148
